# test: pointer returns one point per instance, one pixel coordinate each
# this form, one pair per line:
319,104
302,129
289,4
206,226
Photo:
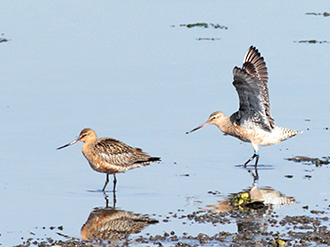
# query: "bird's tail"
288,133
150,159
154,159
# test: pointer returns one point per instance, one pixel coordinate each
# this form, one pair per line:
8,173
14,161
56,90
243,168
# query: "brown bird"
110,156
252,122
114,225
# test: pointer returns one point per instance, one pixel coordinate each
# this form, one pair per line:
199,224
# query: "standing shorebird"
252,122
109,155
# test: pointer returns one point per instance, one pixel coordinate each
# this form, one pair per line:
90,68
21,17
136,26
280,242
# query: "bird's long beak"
197,128
66,145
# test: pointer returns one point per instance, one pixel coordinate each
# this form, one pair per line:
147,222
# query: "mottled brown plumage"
114,225
252,122
110,156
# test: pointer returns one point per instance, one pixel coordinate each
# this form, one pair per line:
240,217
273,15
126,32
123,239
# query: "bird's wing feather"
253,59
251,109
117,152
255,65
251,85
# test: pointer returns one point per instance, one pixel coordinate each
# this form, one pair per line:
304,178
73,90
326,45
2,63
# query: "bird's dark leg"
114,190
255,155
114,198
114,182
257,159
255,175
106,182
106,198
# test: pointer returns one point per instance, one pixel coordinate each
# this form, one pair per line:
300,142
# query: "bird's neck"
86,148
225,125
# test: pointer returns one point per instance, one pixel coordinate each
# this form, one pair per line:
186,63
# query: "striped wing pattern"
118,153
250,82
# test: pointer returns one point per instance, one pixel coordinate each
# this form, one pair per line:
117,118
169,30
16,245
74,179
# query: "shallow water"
129,70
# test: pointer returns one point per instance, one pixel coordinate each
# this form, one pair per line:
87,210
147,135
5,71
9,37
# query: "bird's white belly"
258,136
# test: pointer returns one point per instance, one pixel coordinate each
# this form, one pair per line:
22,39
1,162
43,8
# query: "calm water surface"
129,70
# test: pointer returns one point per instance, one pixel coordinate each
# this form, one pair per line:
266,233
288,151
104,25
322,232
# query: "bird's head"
86,135
215,118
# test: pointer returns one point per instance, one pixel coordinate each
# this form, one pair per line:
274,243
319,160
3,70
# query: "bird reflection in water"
254,205
255,198
114,225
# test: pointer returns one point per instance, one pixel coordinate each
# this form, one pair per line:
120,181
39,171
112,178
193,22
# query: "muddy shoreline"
293,231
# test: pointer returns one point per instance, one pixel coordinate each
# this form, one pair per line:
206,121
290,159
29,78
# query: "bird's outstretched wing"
250,82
